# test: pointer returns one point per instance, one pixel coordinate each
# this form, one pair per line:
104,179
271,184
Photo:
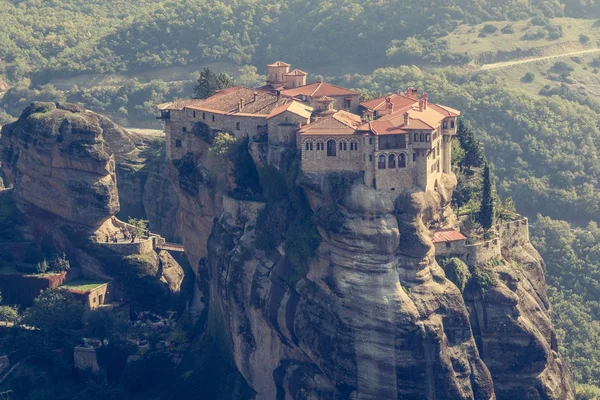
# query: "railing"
171,247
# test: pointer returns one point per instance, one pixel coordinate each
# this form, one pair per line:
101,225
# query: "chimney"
411,92
389,104
255,95
421,105
406,120
241,104
425,100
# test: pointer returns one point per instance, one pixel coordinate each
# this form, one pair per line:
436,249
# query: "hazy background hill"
539,120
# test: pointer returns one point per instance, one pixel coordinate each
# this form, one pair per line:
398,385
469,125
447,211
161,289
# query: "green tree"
209,83
487,212
473,156
457,272
140,225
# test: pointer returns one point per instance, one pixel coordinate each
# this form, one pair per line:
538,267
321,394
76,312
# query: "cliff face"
58,160
371,315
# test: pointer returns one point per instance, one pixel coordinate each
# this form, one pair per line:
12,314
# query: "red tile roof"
447,235
338,123
279,64
226,101
295,107
318,89
297,72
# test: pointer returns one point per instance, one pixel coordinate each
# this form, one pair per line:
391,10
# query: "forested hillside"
50,39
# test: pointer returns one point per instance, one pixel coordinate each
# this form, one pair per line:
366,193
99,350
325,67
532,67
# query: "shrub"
584,39
9,314
528,77
587,392
561,67
508,29
42,267
489,28
539,21
484,279
60,263
330,218
457,272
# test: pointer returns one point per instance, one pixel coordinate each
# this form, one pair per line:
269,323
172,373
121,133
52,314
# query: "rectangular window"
194,114
184,129
414,156
445,124
427,137
370,140
177,143
347,103
421,137
370,158
452,124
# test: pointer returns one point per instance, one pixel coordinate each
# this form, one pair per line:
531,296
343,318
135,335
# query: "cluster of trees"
45,40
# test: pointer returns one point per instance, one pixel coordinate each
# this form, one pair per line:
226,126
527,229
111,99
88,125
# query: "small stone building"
93,293
449,242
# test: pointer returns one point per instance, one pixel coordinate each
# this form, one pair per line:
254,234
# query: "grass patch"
83,285
467,38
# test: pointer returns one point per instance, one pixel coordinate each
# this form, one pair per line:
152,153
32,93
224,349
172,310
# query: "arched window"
354,145
381,163
392,161
342,145
331,150
237,126
401,160
309,146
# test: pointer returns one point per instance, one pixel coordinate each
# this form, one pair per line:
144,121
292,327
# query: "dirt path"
507,64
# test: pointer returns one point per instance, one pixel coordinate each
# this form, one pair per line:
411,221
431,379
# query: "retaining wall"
242,211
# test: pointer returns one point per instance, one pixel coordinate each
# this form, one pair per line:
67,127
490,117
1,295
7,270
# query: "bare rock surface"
58,160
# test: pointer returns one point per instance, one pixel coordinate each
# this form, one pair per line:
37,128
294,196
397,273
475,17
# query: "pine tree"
487,212
209,83
473,156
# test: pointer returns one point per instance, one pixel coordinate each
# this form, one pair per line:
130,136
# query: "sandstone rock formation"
371,315
58,160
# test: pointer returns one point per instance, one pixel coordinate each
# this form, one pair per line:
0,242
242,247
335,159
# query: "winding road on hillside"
506,64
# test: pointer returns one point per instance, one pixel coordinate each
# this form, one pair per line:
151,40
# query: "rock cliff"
367,312
58,160
61,161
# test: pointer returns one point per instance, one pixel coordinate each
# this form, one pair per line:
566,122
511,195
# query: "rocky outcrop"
58,160
371,314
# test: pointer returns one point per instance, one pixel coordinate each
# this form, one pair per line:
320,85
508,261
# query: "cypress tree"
209,83
487,212
473,151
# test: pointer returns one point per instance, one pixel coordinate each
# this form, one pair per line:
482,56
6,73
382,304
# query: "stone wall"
483,252
85,359
454,248
339,103
141,247
514,233
344,160
242,211
394,178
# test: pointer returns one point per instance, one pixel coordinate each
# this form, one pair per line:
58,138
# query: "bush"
330,218
539,21
508,29
9,314
528,77
484,279
584,39
489,28
561,67
60,263
587,392
457,272
42,267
